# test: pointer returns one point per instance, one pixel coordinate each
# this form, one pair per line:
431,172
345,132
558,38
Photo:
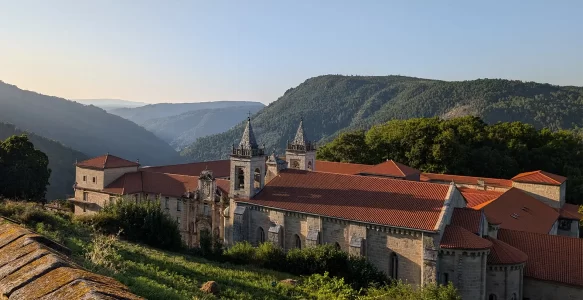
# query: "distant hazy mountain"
332,104
88,129
61,160
182,130
143,114
109,104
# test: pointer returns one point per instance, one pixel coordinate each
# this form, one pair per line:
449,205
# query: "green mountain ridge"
61,160
88,129
331,104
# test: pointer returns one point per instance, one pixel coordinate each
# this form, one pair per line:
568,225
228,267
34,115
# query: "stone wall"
248,165
551,195
110,175
94,203
466,270
542,290
504,281
89,174
33,267
303,158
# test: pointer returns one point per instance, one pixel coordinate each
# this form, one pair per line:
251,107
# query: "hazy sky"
177,51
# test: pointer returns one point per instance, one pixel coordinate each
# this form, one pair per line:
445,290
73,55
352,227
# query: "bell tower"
247,166
300,153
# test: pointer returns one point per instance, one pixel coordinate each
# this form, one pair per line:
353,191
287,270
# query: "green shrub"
403,291
267,255
325,287
240,253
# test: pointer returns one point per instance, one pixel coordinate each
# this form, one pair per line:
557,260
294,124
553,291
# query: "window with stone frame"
94,180
178,205
85,196
85,178
260,235
394,266
257,179
492,297
298,241
239,178
84,207
206,210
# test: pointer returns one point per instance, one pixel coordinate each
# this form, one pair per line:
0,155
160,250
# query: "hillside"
88,129
331,104
182,130
61,160
109,104
143,114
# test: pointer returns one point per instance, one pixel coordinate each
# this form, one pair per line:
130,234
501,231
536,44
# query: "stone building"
492,238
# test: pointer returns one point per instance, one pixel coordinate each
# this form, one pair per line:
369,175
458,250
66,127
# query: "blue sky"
182,51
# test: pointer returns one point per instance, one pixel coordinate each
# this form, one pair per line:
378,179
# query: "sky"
190,51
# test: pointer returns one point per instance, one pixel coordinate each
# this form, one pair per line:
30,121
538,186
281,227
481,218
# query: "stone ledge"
34,267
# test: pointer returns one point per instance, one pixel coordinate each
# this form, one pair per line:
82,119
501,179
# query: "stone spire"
300,138
248,139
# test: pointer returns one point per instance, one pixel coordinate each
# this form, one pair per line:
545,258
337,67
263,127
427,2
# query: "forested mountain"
332,104
466,146
182,130
142,115
109,104
61,161
88,129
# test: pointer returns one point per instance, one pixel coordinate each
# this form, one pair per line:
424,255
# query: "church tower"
300,153
247,166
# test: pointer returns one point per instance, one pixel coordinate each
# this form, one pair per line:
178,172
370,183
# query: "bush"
325,287
241,253
269,256
400,290
143,222
102,252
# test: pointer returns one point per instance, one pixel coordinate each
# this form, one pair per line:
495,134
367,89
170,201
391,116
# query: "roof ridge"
398,167
194,162
374,177
105,161
340,162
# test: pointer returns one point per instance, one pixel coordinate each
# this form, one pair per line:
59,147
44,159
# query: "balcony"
308,146
242,152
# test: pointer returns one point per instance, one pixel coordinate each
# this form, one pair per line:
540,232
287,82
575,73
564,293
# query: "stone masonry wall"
534,289
110,175
548,194
89,175
504,282
466,270
95,202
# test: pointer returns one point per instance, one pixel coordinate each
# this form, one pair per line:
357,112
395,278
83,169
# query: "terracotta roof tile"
391,168
339,168
456,237
518,211
223,185
459,179
504,254
107,161
173,185
570,211
550,257
539,177
476,197
467,218
220,168
399,203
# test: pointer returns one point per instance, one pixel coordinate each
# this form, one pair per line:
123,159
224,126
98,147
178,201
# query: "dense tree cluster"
24,172
466,146
333,104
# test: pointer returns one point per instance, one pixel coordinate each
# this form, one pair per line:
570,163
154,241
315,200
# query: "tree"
24,172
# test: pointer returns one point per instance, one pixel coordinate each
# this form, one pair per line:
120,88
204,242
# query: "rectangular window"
84,207
85,196
178,205
445,278
178,221
94,180
84,178
167,203
206,210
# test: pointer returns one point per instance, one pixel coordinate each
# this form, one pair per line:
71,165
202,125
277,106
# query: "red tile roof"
518,211
465,179
504,254
153,183
467,218
220,168
391,168
339,168
550,257
570,211
539,177
223,185
107,161
384,201
456,237
476,197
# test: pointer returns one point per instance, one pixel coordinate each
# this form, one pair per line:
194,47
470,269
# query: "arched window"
310,165
514,297
260,235
298,242
295,164
492,297
257,178
337,246
394,266
240,178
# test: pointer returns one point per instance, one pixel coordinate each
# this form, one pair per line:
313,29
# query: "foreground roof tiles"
459,179
550,257
107,161
220,168
467,218
391,168
457,237
517,210
539,177
392,202
339,168
503,254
